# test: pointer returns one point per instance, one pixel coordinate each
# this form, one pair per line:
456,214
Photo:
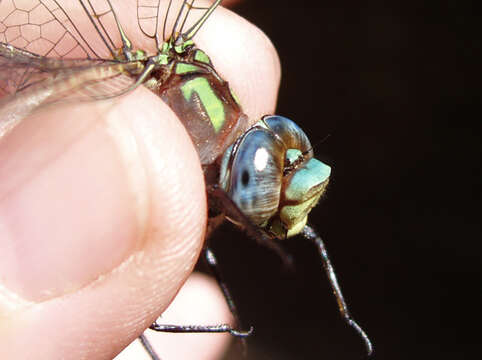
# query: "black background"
394,84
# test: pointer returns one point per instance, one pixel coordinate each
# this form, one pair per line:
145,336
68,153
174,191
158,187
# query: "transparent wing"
148,17
60,80
52,28
64,50
46,55
174,19
58,28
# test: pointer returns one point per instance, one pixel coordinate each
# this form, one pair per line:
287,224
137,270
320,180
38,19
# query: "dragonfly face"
263,178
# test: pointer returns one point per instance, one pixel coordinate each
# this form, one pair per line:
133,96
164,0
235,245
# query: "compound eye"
290,133
256,175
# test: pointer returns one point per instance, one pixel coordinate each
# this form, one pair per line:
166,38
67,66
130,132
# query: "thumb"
102,217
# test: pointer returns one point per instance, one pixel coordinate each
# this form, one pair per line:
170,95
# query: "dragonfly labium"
263,177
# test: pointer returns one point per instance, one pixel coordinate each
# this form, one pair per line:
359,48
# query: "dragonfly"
260,174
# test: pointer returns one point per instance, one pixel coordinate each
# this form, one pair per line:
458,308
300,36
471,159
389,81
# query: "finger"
121,296
199,302
102,218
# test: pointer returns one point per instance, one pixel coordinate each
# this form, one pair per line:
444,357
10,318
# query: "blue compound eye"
256,174
290,133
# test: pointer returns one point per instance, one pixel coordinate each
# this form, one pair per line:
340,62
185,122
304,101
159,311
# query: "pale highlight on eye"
261,159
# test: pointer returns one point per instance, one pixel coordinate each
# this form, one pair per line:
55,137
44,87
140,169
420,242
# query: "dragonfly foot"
242,333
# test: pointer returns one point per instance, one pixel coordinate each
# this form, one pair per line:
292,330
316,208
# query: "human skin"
103,212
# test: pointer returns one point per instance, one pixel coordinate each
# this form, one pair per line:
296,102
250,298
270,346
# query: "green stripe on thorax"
185,68
201,56
211,102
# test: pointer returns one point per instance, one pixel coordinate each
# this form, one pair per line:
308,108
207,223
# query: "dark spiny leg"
211,261
221,328
148,347
214,267
222,201
310,234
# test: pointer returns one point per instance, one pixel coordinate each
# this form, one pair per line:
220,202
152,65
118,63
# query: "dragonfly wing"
60,28
84,83
148,18
20,69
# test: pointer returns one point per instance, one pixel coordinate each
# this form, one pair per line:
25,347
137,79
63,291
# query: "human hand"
103,211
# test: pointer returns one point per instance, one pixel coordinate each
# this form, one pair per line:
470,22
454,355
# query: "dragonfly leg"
310,234
148,347
212,262
187,329
220,199
219,328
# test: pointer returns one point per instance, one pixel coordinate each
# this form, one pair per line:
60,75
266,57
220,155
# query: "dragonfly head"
271,175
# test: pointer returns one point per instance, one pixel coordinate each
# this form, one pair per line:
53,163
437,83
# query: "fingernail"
70,208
